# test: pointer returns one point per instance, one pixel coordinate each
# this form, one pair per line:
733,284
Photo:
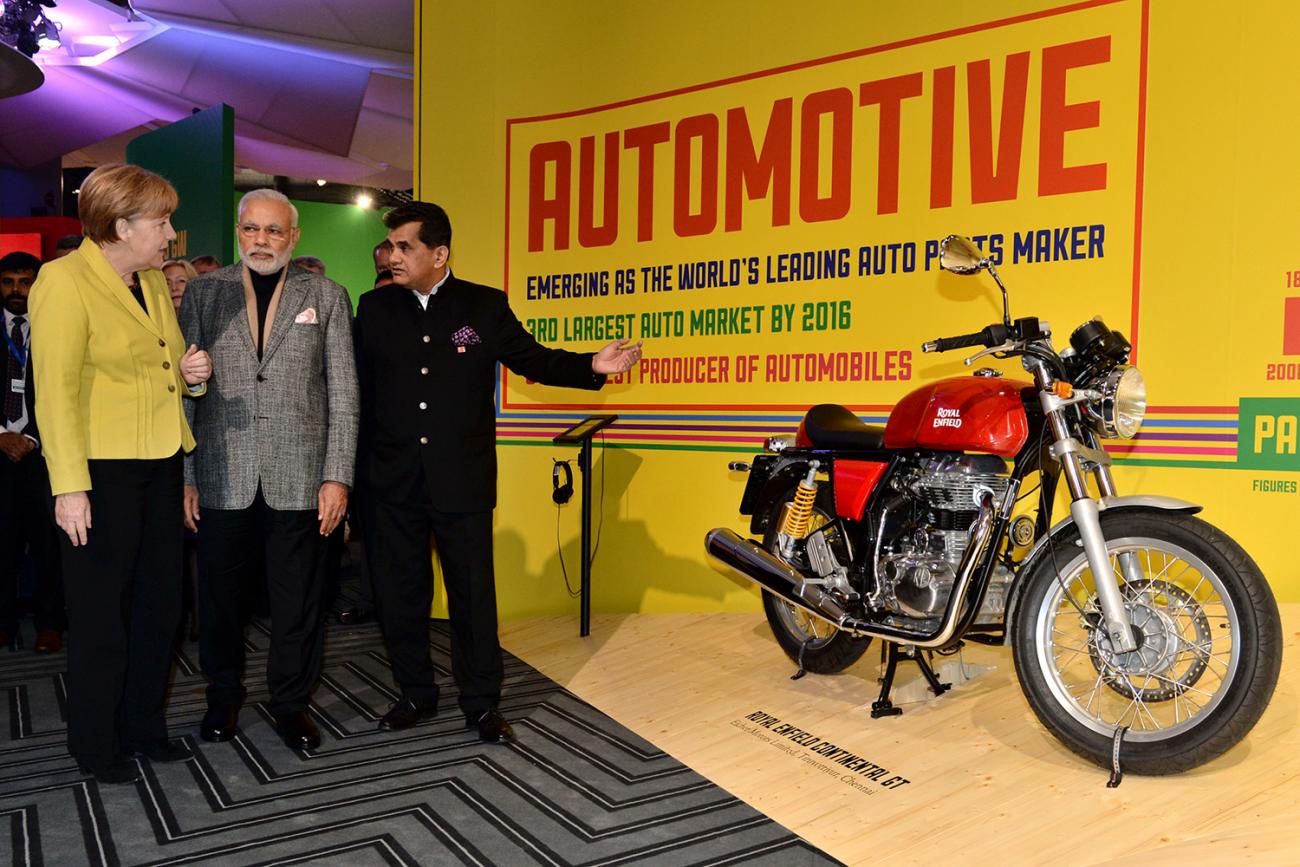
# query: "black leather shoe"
406,713
220,723
297,731
162,750
492,727
115,770
352,616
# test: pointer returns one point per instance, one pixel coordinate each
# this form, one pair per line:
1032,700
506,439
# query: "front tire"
814,643
1210,644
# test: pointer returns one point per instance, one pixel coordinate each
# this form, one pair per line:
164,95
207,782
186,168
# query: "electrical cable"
600,527
559,549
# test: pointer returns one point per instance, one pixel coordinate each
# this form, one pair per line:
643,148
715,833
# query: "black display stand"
581,434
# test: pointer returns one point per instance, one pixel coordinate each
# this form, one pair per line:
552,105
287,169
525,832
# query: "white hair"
267,194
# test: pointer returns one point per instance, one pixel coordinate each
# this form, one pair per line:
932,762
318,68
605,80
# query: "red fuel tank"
963,413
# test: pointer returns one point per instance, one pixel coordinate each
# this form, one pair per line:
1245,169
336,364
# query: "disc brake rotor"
1169,625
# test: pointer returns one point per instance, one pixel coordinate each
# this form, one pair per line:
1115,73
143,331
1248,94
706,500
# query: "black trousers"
124,594
401,569
25,525
231,543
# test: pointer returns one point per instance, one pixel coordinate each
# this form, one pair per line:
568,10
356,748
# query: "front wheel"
1209,643
808,640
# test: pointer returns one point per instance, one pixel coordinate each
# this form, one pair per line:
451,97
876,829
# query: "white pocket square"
306,317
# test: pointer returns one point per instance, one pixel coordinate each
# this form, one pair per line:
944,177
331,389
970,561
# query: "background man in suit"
427,350
25,524
277,442
205,264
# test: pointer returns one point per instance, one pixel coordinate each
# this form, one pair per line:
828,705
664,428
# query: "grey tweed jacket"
288,421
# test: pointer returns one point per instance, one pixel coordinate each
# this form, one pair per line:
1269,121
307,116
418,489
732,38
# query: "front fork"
1086,512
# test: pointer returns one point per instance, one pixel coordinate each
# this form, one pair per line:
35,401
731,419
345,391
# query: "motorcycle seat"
831,426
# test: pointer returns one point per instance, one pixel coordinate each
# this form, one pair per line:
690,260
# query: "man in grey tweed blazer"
277,433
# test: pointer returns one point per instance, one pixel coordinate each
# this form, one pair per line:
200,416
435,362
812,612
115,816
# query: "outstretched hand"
616,356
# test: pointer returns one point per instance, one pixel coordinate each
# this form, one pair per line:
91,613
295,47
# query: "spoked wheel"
805,638
1208,636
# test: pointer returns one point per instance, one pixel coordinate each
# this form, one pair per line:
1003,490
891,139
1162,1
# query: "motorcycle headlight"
1123,403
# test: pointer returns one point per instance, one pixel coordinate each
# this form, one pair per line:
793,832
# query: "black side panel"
759,473
781,481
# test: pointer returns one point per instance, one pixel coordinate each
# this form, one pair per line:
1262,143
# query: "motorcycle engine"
925,536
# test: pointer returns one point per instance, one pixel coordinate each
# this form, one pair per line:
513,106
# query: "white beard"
276,264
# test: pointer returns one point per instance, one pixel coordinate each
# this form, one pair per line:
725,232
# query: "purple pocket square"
466,336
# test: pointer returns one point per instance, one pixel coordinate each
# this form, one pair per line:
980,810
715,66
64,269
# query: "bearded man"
276,434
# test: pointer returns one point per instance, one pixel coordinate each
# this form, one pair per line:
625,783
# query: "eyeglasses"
252,230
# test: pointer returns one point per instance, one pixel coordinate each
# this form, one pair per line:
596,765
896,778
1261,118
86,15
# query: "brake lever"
992,350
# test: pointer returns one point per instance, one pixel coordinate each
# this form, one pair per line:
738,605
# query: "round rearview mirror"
960,255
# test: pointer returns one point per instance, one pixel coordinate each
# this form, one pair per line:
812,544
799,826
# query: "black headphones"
561,491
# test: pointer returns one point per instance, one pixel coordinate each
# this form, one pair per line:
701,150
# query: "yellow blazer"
107,376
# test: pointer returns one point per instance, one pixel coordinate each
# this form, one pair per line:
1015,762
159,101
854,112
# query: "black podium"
580,434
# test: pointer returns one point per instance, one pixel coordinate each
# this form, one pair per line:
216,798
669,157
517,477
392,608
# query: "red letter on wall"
889,93
644,139
542,207
986,183
589,234
1291,326
941,120
705,128
838,103
755,175
1058,118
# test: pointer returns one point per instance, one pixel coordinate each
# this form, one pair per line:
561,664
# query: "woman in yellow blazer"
110,368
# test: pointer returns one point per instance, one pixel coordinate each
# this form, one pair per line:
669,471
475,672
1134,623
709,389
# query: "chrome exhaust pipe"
792,586
775,576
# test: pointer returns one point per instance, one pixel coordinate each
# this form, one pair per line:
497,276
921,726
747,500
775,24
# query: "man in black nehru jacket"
427,347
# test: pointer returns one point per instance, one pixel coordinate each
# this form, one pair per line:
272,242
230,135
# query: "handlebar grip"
943,344
992,335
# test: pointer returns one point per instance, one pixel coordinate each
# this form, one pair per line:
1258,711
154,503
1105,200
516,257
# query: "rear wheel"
806,638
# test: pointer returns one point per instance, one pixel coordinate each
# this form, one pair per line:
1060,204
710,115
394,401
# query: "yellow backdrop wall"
759,192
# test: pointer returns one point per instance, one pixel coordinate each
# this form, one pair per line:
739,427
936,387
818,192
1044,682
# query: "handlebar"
992,335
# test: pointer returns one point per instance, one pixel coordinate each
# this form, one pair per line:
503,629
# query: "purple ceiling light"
320,88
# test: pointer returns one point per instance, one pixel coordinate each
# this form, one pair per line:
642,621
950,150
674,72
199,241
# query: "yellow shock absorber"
799,515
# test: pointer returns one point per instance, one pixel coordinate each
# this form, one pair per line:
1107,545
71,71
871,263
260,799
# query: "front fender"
1106,504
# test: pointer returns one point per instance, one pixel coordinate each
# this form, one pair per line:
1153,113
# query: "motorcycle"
1131,621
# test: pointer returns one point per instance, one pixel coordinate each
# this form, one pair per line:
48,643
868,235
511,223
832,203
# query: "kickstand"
1116,773
890,655
802,647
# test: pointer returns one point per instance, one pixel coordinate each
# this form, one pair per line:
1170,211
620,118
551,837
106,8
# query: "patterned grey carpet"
577,788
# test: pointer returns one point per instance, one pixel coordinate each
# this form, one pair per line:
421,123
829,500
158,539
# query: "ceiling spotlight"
48,37
364,200
23,26
320,182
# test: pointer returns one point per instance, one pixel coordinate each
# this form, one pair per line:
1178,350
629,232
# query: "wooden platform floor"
985,783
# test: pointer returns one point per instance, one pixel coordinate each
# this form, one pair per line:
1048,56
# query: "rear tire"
806,639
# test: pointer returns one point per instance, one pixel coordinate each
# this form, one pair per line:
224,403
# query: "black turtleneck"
138,292
263,288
